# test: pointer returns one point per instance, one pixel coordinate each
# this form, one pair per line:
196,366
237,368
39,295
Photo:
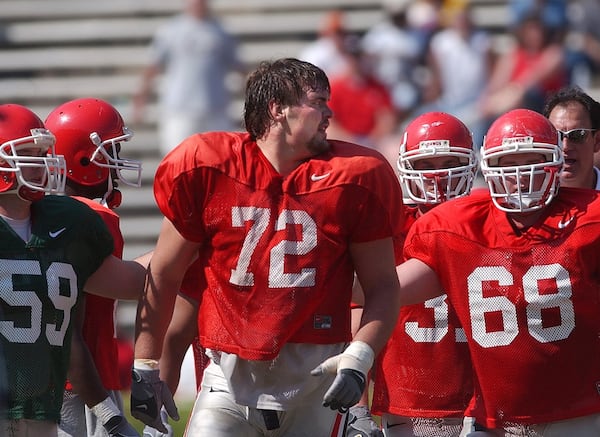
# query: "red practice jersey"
424,369
529,303
99,331
268,284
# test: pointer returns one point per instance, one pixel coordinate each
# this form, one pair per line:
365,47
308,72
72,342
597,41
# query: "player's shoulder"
458,216
355,161
57,212
103,210
208,149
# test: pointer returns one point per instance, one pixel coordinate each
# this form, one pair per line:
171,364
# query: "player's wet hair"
285,82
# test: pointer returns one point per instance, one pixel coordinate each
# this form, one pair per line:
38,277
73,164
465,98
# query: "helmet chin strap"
113,197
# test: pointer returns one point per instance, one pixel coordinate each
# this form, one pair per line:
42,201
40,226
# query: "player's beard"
318,144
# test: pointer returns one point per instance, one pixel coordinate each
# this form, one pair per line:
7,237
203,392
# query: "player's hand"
350,368
361,424
119,427
151,432
148,395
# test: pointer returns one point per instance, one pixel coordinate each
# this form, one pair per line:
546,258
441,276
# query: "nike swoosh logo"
314,177
142,407
56,233
562,225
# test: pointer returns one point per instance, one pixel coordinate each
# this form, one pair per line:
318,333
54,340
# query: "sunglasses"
574,135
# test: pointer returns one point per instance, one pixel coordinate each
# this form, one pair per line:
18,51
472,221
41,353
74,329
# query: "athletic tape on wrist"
358,356
145,364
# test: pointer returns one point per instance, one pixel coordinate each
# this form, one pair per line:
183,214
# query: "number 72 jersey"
278,261
529,303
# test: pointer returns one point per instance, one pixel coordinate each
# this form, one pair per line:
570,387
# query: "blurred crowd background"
175,67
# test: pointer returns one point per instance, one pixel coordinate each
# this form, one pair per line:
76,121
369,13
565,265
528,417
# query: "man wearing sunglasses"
576,116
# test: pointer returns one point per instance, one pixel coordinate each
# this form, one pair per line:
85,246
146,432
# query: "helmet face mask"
436,161
90,132
521,161
29,165
106,155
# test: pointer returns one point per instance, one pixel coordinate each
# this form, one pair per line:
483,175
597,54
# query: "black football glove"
118,426
350,369
361,423
148,395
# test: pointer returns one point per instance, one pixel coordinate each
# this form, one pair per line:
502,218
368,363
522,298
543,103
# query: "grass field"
178,427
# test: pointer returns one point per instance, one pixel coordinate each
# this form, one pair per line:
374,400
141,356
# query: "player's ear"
277,110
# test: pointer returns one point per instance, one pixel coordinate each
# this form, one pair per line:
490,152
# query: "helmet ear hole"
84,161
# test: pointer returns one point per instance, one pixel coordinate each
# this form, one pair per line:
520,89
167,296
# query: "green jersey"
41,282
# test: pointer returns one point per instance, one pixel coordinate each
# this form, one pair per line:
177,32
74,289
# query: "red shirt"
355,106
99,331
279,268
424,369
529,303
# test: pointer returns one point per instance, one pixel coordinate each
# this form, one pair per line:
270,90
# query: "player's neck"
14,207
523,221
278,157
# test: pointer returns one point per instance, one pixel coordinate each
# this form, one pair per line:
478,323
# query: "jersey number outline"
480,304
536,303
28,298
260,219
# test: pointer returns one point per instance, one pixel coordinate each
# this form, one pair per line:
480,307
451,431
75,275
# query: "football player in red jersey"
436,163
53,247
519,265
89,133
285,218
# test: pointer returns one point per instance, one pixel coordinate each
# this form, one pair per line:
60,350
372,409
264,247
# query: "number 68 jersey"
278,265
529,303
41,282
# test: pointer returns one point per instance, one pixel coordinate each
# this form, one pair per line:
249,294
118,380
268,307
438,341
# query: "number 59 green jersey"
41,282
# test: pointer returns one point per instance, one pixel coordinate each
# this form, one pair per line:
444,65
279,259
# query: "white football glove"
351,368
148,395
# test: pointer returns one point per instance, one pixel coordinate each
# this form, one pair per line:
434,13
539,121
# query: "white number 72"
261,220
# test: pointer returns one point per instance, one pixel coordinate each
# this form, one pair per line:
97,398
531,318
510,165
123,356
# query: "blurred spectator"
583,41
553,14
326,52
196,54
527,73
395,50
459,62
423,17
362,106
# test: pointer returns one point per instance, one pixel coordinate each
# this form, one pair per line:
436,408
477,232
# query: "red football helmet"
527,187
89,133
435,135
29,165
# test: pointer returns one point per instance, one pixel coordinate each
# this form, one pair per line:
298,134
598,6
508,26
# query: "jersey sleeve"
179,189
382,215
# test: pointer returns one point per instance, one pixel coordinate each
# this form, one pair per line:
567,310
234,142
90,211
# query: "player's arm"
418,282
117,279
181,332
83,374
87,383
375,270
170,260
